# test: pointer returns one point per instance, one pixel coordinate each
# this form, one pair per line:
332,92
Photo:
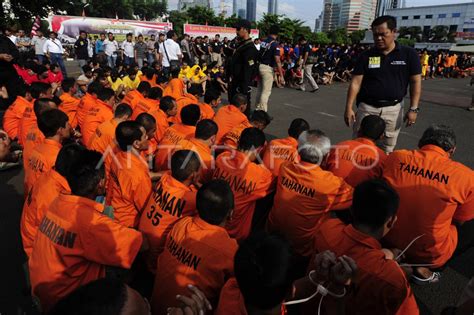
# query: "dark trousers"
58,59
465,237
232,91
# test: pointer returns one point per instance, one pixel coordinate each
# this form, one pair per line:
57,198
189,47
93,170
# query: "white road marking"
326,114
291,105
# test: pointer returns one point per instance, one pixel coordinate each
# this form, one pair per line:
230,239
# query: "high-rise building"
384,5
318,23
252,10
331,15
350,14
273,7
183,5
235,7
242,13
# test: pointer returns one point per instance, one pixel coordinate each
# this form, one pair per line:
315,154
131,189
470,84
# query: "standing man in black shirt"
205,47
242,64
217,50
269,58
8,76
81,49
380,81
307,61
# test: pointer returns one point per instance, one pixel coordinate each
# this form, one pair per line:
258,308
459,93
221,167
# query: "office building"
384,5
456,18
252,10
273,7
350,14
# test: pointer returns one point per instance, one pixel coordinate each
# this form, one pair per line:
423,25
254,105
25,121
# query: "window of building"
453,28
429,16
455,15
416,17
404,17
442,16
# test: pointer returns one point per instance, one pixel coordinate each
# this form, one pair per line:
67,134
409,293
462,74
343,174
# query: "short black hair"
67,84
251,138
243,24
37,88
297,126
167,103
439,135
261,116
239,99
126,133
86,173
144,87
105,94
155,93
147,121
373,203
175,73
50,121
170,34
274,30
123,110
205,129
211,95
94,88
214,201
372,127
190,114
40,105
86,68
104,296
67,157
390,20
195,89
262,266
184,163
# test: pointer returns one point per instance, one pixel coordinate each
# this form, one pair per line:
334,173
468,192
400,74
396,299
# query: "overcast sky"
309,10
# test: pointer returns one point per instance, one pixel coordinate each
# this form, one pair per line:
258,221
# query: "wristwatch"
414,110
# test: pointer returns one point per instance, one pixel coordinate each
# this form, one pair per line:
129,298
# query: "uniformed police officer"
241,67
269,58
380,81
217,50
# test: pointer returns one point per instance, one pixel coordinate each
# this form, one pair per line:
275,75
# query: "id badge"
374,62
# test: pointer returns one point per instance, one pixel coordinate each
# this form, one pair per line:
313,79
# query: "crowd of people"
141,186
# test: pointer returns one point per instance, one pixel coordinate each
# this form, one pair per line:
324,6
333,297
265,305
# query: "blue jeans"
150,58
58,59
112,61
128,60
40,58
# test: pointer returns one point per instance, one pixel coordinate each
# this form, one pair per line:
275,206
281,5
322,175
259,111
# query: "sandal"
434,278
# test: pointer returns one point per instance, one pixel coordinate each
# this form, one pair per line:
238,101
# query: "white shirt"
128,49
12,38
53,47
110,47
173,50
39,44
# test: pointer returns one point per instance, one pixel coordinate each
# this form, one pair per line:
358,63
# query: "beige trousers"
265,87
393,117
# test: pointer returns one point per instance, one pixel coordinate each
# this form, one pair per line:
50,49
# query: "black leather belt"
381,103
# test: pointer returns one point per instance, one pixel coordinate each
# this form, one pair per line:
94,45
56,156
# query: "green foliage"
357,36
439,33
338,36
321,38
406,42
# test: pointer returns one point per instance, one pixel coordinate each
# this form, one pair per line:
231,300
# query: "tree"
357,36
406,42
178,19
439,33
338,36
321,38
202,15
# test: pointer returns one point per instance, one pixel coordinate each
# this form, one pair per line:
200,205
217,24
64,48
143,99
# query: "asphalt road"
443,101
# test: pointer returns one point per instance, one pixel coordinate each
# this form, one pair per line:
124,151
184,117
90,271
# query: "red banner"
68,27
207,30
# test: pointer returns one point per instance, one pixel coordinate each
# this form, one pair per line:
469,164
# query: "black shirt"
81,48
386,77
268,50
217,47
242,65
205,47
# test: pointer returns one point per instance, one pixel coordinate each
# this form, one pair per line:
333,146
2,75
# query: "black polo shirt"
386,77
270,49
217,47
